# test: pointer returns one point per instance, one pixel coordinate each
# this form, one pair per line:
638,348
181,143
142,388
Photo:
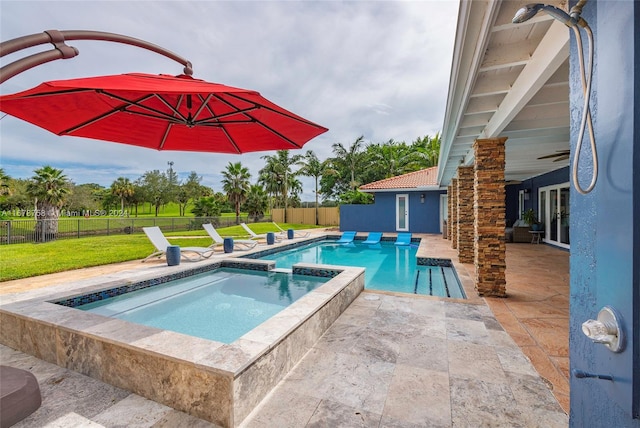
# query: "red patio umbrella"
162,112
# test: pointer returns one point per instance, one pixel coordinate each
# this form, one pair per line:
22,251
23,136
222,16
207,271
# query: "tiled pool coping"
218,382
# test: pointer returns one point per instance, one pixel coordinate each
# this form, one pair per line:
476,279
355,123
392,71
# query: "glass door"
554,209
402,213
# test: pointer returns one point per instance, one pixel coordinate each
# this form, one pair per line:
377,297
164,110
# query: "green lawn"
27,260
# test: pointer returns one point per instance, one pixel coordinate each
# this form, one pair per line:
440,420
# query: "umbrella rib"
164,137
205,103
58,92
282,113
174,109
231,140
215,117
137,104
117,110
285,138
96,118
253,119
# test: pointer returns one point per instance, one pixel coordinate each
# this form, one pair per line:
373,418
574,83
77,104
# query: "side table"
535,236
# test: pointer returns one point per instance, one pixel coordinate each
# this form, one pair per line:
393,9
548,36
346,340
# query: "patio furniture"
518,233
238,244
254,235
296,233
373,238
346,238
20,395
535,236
403,239
161,243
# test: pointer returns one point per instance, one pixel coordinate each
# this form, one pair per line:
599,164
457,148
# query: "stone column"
449,210
489,214
454,213
465,214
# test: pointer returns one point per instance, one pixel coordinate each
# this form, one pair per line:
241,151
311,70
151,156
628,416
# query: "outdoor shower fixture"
573,20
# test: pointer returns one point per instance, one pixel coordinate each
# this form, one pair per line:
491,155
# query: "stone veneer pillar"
453,214
449,210
465,214
489,214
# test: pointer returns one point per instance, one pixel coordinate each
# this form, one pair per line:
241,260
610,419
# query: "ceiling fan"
560,155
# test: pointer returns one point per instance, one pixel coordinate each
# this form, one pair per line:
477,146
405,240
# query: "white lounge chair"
296,233
161,243
238,244
254,235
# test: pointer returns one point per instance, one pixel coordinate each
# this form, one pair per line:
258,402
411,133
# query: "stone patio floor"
388,361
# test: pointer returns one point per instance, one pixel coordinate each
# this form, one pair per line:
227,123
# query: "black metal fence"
22,231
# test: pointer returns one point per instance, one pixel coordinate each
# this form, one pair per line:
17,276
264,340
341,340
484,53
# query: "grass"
28,260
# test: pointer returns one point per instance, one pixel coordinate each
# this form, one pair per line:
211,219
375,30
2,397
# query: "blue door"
605,228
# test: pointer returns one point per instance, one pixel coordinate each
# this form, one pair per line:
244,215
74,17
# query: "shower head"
529,11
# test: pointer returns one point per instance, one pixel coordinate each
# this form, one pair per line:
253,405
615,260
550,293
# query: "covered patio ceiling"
507,80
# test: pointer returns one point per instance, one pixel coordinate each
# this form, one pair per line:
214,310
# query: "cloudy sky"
371,68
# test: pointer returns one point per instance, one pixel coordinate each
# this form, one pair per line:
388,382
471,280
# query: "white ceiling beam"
547,58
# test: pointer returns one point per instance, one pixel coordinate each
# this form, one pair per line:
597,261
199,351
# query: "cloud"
377,69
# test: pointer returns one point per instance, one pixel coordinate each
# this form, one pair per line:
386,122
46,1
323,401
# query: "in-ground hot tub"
212,380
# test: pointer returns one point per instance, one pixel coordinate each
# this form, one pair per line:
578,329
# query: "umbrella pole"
64,51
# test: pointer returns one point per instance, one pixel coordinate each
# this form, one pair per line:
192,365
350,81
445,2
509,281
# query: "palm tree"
236,184
257,201
49,188
5,189
350,159
428,148
122,188
269,178
391,159
279,168
312,167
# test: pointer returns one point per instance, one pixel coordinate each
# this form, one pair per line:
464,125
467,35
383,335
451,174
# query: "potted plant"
531,218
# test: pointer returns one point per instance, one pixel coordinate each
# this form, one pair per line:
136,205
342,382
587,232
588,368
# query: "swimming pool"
388,267
219,382
221,305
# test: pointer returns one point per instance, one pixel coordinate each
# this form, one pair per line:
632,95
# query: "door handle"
606,329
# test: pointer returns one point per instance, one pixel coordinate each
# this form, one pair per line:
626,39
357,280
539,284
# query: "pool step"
282,270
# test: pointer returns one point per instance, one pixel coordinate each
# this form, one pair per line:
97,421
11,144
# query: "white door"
444,211
402,213
554,210
522,196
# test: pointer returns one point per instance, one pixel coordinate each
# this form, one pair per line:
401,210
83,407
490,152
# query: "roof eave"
475,19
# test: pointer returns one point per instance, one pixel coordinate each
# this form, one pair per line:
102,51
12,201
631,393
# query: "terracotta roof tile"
422,178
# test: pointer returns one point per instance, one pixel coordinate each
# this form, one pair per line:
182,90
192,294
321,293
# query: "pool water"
388,267
220,305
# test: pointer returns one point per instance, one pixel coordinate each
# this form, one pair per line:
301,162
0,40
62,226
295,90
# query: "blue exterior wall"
533,184
605,248
381,215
